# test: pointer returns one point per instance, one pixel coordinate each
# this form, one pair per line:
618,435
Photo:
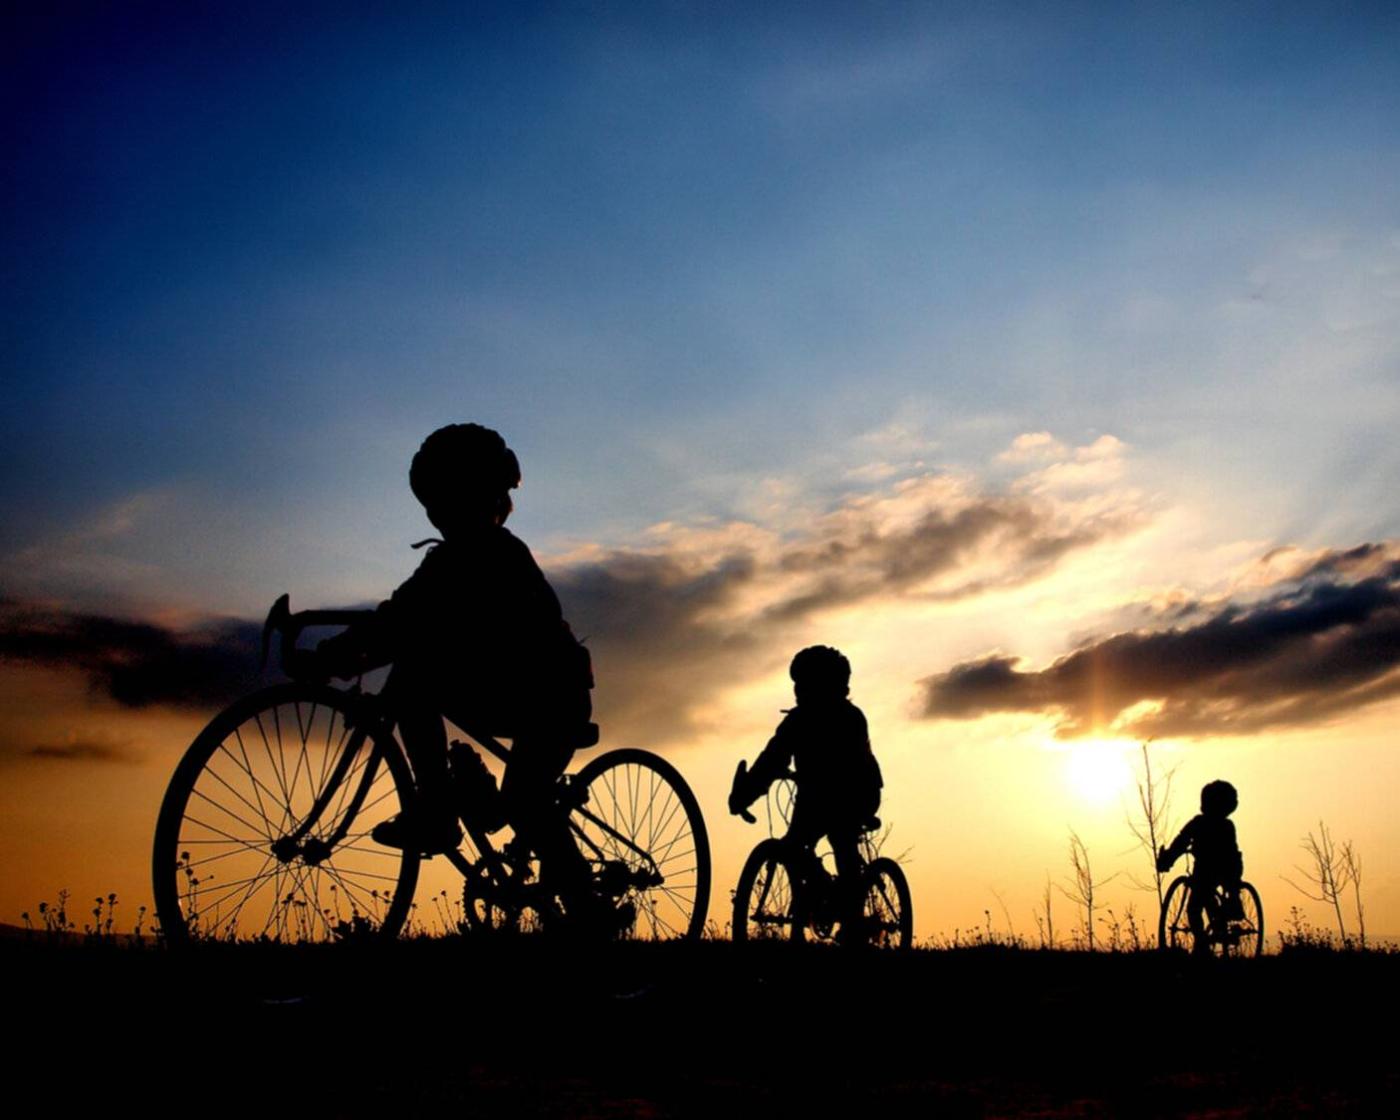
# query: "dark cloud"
82,750
137,664
656,630
1322,646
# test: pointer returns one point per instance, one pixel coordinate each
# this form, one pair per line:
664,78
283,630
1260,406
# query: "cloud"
674,621
674,624
1030,447
137,664
1321,642
76,749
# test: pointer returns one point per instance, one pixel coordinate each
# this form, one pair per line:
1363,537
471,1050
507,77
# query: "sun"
1098,771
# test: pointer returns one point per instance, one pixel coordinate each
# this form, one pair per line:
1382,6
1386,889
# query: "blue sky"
254,258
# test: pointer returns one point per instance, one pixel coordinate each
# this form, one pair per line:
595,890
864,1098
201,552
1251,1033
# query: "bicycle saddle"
585,736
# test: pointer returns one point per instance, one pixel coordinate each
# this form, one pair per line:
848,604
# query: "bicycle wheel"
765,901
1244,936
1173,929
889,910
640,828
264,832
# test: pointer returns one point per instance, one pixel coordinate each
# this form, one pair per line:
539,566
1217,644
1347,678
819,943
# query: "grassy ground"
451,1028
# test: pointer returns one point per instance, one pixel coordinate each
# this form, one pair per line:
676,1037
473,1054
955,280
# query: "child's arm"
397,622
1168,856
751,783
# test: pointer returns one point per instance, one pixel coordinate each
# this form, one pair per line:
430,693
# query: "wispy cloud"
1322,640
81,749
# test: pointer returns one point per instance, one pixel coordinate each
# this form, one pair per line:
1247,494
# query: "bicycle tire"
637,816
889,907
1173,928
766,905
1248,932
225,865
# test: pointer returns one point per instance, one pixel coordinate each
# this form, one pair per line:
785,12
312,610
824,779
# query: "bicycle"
786,892
265,831
1227,934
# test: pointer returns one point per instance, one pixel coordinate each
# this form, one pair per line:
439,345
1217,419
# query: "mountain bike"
1228,931
266,829
786,890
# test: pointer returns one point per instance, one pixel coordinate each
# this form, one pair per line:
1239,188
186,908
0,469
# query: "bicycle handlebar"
281,618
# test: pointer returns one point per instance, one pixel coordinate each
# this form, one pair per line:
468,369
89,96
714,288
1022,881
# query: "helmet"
462,458
1219,799
821,667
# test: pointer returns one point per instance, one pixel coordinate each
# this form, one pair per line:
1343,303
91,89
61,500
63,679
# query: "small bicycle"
1227,934
265,831
786,891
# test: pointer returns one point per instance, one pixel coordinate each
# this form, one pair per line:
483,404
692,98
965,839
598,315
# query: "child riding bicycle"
476,634
1210,838
825,741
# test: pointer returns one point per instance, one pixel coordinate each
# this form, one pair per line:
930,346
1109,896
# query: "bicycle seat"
586,735
871,825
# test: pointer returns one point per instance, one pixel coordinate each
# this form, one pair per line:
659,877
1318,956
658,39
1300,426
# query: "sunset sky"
1043,358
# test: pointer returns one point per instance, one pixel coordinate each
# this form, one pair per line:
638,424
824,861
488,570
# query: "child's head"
1218,799
463,474
820,673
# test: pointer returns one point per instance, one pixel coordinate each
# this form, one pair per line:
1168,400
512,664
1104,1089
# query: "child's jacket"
828,747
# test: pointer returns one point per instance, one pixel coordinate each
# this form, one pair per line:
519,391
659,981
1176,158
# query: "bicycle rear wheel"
264,832
640,828
765,901
1244,936
889,910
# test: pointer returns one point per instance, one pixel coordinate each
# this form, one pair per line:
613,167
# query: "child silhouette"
476,634
825,742
1210,838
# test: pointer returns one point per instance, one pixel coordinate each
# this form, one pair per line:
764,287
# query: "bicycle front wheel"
889,909
639,826
1173,927
765,901
264,832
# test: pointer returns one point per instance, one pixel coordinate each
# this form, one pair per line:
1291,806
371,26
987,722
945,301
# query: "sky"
1043,358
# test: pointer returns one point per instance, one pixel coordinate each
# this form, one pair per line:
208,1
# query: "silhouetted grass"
983,1024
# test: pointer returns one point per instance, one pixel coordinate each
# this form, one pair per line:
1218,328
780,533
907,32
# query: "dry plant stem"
1329,875
1081,887
1351,864
1153,823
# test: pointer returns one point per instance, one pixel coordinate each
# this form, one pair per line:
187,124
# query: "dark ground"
458,1029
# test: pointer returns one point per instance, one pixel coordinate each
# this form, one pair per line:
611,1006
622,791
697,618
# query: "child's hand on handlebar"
738,802
305,665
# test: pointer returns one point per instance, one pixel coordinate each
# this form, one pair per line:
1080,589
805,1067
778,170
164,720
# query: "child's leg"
1201,895
536,762
845,844
425,739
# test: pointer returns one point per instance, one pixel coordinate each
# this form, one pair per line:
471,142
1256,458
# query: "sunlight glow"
1098,771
